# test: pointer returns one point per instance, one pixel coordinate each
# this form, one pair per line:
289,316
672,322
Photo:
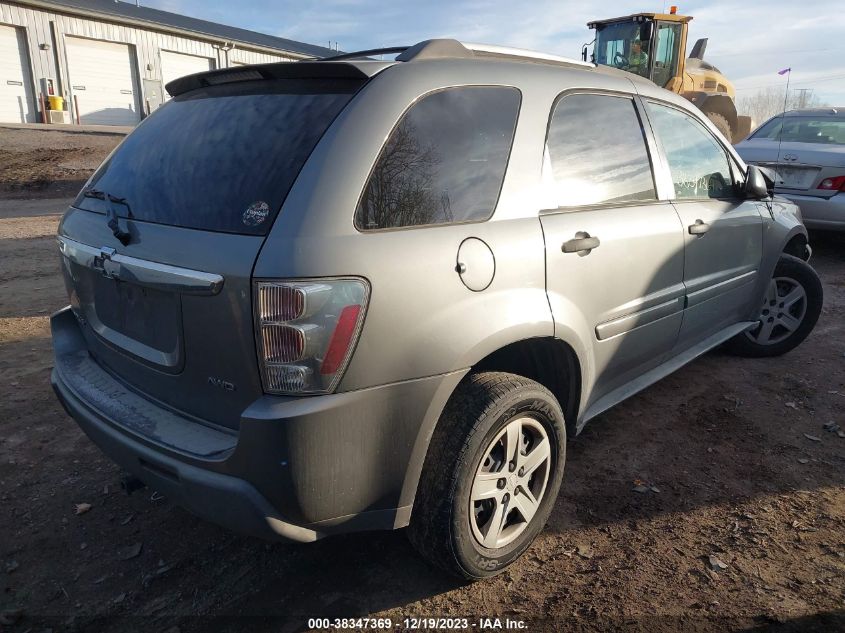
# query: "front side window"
596,152
444,162
698,163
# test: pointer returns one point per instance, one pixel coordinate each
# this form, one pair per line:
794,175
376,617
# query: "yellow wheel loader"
653,45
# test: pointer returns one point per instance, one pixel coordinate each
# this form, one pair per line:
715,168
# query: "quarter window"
444,162
596,152
698,163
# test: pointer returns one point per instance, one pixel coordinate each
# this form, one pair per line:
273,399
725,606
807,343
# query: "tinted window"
444,161
221,158
826,130
596,152
698,163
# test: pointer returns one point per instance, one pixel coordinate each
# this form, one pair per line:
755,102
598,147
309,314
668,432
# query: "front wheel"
492,474
788,312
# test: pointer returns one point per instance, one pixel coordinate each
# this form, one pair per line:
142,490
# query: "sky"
749,40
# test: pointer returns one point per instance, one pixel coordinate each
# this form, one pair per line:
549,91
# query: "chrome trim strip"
638,319
700,296
641,304
142,272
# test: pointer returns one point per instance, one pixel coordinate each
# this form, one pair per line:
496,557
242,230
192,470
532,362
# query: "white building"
110,60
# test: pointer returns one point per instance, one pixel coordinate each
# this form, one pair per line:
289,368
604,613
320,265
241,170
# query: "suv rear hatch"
159,247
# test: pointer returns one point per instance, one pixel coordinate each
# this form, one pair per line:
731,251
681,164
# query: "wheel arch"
798,246
780,236
548,360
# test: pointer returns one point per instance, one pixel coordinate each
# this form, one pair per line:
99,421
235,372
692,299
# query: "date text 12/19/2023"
419,624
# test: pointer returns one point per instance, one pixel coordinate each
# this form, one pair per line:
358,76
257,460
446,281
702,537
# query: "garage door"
102,78
16,100
175,65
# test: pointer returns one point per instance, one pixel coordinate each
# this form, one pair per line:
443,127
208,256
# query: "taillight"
306,331
833,184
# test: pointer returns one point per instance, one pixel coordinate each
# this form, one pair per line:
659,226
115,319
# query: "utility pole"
803,99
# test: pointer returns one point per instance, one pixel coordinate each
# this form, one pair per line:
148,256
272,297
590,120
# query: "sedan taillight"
306,331
833,184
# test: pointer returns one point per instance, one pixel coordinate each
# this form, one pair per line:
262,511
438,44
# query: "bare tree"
767,102
400,190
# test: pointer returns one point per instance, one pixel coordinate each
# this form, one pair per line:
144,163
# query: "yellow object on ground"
56,103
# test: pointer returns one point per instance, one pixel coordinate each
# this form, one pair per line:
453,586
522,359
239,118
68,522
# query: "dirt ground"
39,162
734,451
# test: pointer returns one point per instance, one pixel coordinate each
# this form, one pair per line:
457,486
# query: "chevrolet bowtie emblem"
103,260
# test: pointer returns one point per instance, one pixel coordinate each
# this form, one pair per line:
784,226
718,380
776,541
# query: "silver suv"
318,297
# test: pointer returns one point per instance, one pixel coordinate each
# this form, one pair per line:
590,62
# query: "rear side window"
825,130
596,152
220,158
444,162
697,161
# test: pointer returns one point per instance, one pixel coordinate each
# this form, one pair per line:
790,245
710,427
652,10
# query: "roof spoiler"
275,70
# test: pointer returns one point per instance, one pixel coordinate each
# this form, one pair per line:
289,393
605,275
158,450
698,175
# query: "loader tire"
721,124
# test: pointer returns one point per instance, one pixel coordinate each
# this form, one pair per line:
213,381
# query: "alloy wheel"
783,310
510,482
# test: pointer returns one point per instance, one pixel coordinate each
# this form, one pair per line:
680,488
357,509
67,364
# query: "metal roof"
164,20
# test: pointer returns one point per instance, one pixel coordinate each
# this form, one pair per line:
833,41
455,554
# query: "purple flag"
784,71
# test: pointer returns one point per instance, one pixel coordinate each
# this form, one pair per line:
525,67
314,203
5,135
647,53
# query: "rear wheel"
788,312
721,124
491,476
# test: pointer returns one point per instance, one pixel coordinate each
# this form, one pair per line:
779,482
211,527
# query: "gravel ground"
739,465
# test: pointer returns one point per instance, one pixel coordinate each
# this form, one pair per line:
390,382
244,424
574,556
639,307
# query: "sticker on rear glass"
256,213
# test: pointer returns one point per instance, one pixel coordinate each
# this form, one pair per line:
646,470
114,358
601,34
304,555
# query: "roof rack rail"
449,48
390,50
522,53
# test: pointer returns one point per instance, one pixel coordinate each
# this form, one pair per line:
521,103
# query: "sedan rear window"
825,130
220,158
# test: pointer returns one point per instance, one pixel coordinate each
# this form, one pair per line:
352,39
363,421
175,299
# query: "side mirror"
756,186
770,176
646,30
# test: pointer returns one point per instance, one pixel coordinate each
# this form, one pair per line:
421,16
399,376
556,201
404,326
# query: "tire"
721,124
791,275
466,454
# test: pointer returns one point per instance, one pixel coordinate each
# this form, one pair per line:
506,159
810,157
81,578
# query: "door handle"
699,228
583,243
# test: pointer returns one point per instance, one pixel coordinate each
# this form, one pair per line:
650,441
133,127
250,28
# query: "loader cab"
651,45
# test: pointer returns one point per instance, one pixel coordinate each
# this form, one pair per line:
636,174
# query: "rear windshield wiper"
111,214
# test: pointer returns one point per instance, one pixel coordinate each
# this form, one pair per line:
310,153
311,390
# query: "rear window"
826,130
221,158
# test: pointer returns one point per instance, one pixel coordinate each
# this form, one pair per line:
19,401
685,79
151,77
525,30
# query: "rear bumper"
820,213
297,469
